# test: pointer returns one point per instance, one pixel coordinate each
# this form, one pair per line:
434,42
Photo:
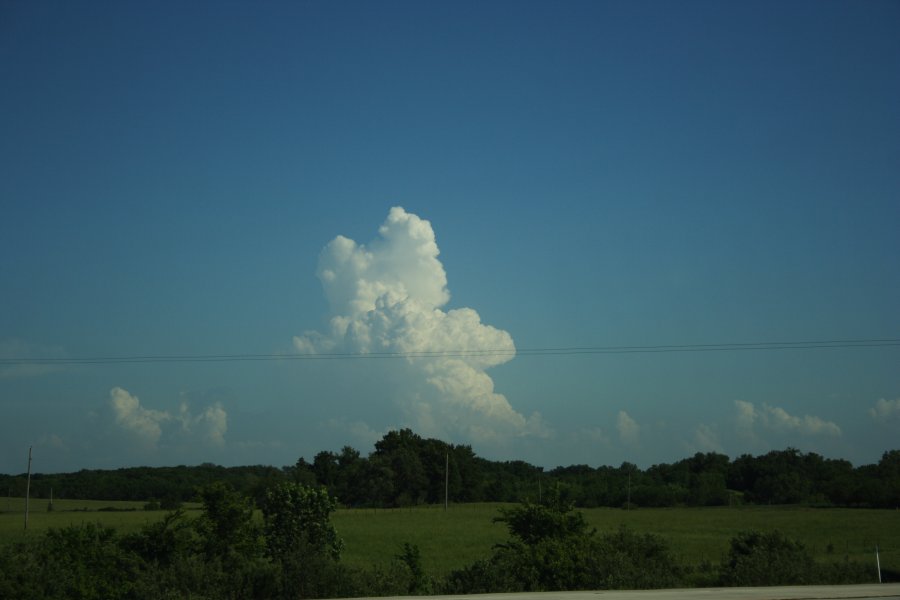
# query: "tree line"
406,469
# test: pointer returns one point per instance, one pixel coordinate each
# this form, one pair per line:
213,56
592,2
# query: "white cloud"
778,418
148,426
886,411
210,425
145,424
774,418
629,430
387,297
746,415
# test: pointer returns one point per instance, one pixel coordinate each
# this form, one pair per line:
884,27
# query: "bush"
552,549
411,558
769,558
628,560
846,572
82,562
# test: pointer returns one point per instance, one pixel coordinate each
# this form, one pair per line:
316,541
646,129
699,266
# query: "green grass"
697,534
447,540
126,518
453,539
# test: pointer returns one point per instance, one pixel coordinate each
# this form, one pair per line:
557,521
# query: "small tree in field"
554,518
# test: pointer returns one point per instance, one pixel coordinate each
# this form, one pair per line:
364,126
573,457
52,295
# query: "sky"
408,214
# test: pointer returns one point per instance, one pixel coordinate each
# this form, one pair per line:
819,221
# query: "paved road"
799,592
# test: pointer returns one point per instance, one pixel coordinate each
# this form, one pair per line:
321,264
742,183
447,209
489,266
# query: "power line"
460,353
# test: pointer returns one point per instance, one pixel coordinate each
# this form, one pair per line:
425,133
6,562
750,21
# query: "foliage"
226,526
168,557
411,558
769,558
617,560
81,562
551,548
297,516
406,469
531,523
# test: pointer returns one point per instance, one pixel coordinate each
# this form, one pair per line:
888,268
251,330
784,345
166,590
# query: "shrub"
769,558
297,516
82,562
552,549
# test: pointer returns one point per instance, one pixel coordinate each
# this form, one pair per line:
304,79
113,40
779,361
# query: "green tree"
226,525
769,558
531,523
402,450
325,466
297,517
348,487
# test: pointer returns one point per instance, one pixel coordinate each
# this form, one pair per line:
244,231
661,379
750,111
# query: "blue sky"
593,174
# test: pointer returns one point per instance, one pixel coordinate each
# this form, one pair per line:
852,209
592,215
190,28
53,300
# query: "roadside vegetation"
291,545
345,525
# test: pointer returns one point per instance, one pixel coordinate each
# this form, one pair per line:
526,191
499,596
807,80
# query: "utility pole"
28,487
447,481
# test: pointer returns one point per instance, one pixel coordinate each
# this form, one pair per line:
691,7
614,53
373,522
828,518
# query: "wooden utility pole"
28,487
447,481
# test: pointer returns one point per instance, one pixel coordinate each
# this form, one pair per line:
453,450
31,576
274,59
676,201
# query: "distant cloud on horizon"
773,418
886,411
147,426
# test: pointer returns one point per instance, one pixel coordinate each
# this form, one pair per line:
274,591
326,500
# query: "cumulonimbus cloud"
388,297
147,425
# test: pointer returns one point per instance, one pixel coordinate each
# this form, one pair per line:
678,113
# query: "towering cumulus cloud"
387,297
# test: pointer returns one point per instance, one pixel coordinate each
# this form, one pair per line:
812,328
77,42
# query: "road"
797,592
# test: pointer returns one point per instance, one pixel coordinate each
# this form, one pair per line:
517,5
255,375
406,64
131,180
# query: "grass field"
456,538
453,539
124,516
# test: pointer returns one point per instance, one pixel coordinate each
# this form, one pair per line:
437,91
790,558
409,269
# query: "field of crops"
452,539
